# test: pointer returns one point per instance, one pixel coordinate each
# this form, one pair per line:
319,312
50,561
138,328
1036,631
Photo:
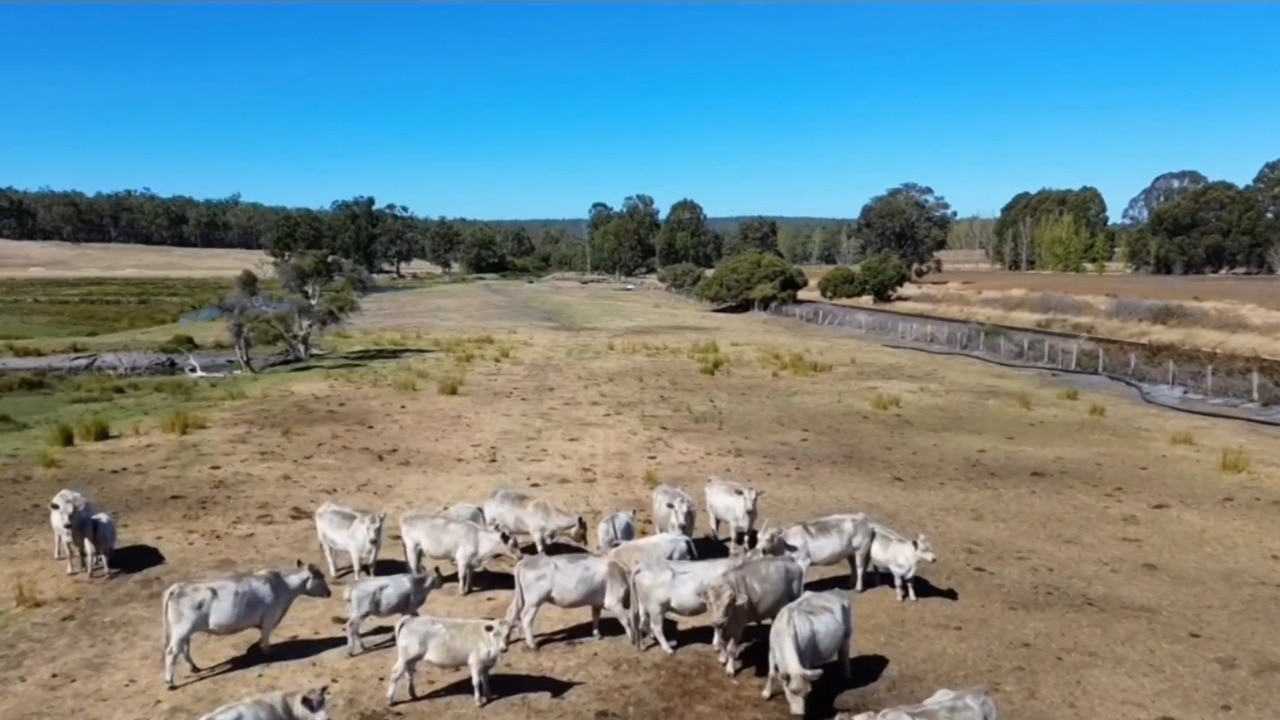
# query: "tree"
882,275
622,242
753,278
829,244
756,233
681,277
1165,188
442,244
355,232
516,243
909,221
399,238
685,237
1215,227
840,282
795,244
1266,188
243,308
1015,229
317,291
482,250
1061,244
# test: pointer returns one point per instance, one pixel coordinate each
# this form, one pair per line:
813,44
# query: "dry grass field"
1095,559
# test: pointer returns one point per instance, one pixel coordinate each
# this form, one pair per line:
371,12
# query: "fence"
1169,372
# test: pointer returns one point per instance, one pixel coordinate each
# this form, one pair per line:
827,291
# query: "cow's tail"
633,603
166,630
693,547
395,633
517,597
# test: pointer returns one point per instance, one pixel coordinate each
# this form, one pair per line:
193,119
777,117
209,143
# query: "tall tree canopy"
910,222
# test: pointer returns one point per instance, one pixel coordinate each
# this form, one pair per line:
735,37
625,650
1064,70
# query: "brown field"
1089,566
1263,291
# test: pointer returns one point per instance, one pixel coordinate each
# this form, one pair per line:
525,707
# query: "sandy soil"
1088,568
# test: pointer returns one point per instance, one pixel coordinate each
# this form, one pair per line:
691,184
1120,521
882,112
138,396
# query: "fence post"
1001,346
1133,361
1026,348
1046,352
1254,380
1209,383
1170,373
1099,360
982,341
1075,351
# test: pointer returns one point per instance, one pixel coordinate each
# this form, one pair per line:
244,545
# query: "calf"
60,508
463,511
569,581
399,594
824,541
900,556
673,510
734,504
676,586
615,529
518,513
230,605
663,546
359,534
807,633
306,704
448,643
750,593
975,703
467,544
99,541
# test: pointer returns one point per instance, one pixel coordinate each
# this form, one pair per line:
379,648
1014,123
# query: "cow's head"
750,500
510,545
579,532
799,684
769,540
315,584
313,702
722,599
500,632
428,580
682,512
367,533
68,512
923,549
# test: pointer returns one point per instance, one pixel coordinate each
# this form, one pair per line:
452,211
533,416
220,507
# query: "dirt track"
1097,571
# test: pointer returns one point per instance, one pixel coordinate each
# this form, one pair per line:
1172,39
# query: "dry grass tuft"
405,383
883,401
94,430
1182,438
1234,461
62,435
796,363
25,596
650,478
1071,394
709,358
1022,400
48,459
1096,410
181,422
449,385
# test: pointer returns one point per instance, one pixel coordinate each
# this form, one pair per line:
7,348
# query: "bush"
753,277
681,277
881,275
95,430
181,422
841,282
62,435
178,344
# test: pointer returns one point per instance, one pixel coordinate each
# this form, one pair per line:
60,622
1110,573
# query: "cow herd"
638,580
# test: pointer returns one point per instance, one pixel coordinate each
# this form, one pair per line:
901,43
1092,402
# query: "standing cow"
448,643
752,592
230,605
518,513
98,542
306,704
615,529
60,509
675,586
569,581
808,633
824,541
975,703
673,510
467,544
900,556
400,594
734,504
663,546
359,534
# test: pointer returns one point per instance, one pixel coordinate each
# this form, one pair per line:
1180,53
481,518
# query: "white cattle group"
637,579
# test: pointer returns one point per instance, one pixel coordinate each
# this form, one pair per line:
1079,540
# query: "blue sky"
521,110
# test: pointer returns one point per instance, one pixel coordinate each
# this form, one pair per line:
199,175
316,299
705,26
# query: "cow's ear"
915,544
488,628
300,563
670,506
53,506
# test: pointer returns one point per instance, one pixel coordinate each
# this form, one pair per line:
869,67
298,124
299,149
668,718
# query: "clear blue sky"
524,110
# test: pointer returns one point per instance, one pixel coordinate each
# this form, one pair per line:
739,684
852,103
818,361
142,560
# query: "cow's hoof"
766,695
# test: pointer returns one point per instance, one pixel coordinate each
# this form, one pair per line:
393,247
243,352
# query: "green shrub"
178,344
681,277
881,275
841,282
753,277
95,430
62,435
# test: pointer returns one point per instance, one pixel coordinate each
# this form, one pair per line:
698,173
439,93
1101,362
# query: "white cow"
230,605
975,703
901,557
306,704
662,546
467,544
732,503
675,586
518,513
615,529
673,510
463,511
824,541
448,643
806,634
98,538
59,509
401,594
569,581
359,534
752,592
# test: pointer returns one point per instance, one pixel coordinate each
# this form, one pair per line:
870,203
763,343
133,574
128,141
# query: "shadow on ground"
502,686
133,559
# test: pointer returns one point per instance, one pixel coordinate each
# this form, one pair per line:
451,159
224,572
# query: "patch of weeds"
610,346
48,459
504,353
1022,400
8,423
1071,394
405,384
181,422
709,358
62,435
94,430
1182,438
651,478
449,385
25,596
1096,410
883,401
136,428
1234,461
796,363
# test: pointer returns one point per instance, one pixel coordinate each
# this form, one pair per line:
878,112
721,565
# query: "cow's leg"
57,546
328,558
71,547
540,543
715,524
732,665
767,693
186,655
170,659
478,682
355,564
910,580
354,644
269,623
527,615
897,586
846,669
464,578
624,618
398,671
655,628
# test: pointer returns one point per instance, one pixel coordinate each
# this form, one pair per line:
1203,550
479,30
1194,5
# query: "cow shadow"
133,559
502,686
709,548
609,628
482,580
924,588
864,670
387,642
553,548
387,566
283,651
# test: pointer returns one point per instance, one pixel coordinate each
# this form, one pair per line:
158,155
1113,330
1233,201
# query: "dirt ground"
1088,567
1263,291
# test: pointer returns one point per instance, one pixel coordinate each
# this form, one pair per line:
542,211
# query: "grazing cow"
732,503
359,534
60,508
752,592
615,529
673,510
230,605
518,513
663,546
467,544
448,643
825,541
98,542
676,586
463,511
569,581
399,594
900,556
975,703
306,704
808,633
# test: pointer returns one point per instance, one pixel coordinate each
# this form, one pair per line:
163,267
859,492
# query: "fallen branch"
195,371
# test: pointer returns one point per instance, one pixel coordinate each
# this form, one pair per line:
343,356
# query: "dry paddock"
1088,567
